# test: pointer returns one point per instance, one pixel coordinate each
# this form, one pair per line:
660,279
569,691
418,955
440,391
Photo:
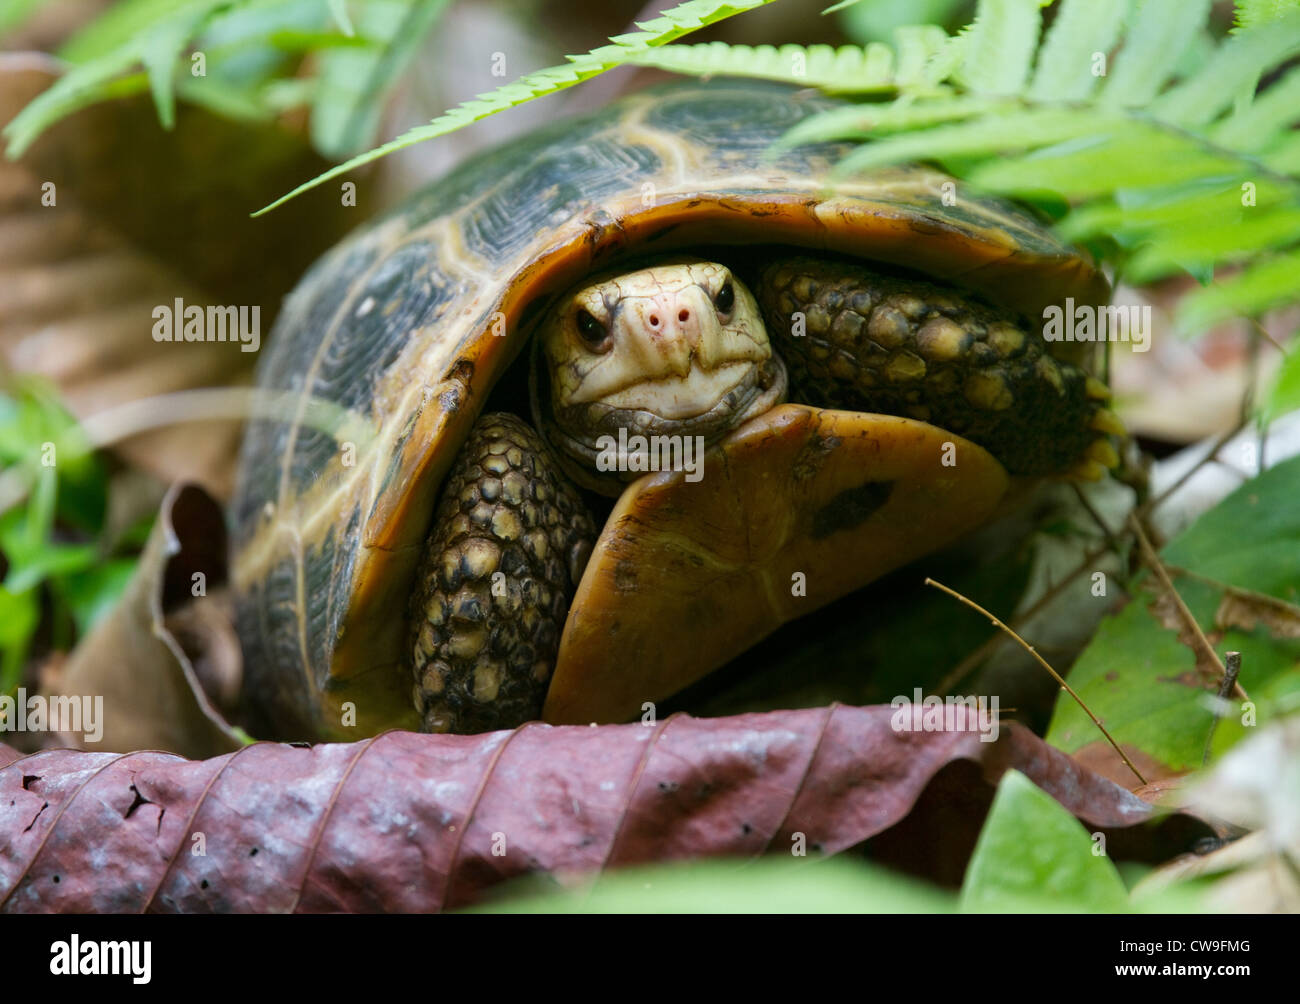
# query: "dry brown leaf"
151,657
409,822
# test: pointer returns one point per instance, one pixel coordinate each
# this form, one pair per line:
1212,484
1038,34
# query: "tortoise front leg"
868,341
509,541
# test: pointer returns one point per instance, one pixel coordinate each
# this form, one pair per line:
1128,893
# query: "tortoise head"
674,349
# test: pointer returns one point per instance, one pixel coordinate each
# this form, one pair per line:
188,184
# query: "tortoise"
603,407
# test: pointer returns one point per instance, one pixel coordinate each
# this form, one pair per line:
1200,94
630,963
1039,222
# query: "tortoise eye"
726,298
591,330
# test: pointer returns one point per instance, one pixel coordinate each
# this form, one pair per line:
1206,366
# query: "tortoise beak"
796,508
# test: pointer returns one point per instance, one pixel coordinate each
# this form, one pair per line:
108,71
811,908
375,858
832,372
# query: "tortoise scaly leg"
508,544
875,342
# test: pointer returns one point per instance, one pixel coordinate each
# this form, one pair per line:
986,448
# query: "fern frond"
667,27
852,68
1068,59
1188,169
998,46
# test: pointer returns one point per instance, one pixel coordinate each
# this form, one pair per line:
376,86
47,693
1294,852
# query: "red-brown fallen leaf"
408,822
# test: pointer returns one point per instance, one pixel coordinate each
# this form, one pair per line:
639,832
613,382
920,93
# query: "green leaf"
1243,235
348,100
1256,124
339,11
1283,156
116,27
15,12
867,120
768,885
1103,163
1082,29
1284,395
158,32
848,68
989,135
92,592
1140,212
1032,855
1232,73
668,27
917,45
999,45
1254,13
1161,33
1144,682
879,20
1269,283
80,86
19,615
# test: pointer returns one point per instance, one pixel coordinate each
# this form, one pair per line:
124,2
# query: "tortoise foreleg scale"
509,539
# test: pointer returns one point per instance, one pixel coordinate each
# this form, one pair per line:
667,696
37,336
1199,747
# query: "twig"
1154,563
985,649
1229,681
1047,666
1213,454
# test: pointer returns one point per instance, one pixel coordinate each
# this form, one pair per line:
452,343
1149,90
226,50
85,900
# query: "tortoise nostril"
654,320
683,315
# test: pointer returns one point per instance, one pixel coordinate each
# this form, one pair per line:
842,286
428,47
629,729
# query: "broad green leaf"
1033,855
1145,683
999,45
1067,60
767,885
1157,39
667,27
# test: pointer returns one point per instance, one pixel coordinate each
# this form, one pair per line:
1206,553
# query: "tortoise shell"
385,352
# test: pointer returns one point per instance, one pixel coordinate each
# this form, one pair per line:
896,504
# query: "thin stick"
985,649
1154,563
1229,681
1186,476
1044,663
